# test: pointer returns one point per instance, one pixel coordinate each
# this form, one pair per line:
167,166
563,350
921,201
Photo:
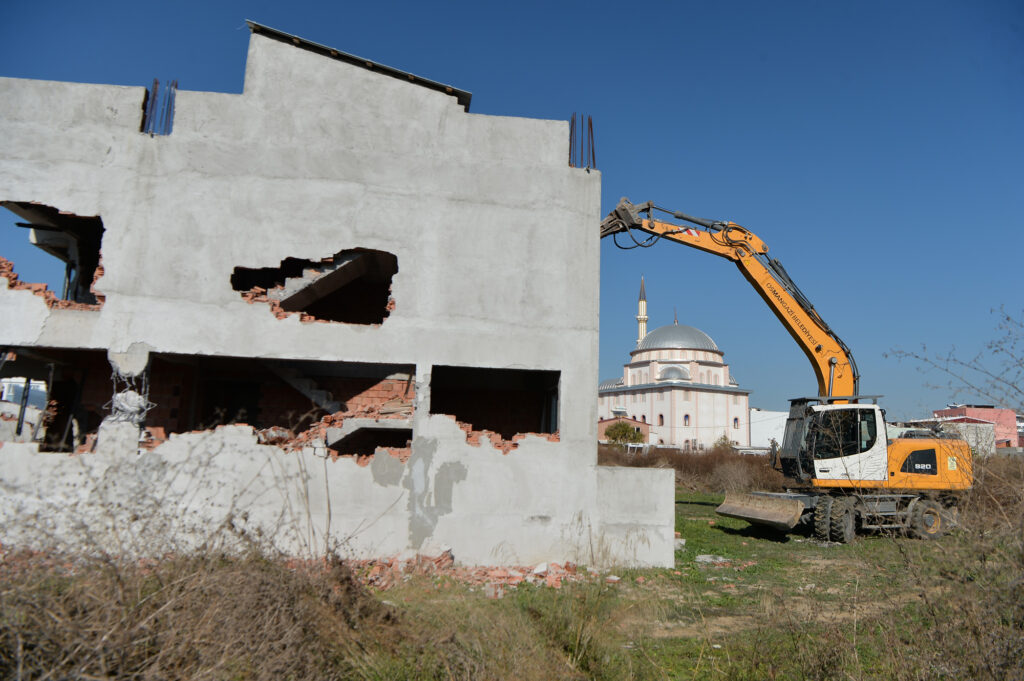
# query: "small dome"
677,337
674,373
610,383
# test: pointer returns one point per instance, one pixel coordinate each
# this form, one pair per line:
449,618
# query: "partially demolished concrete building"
336,311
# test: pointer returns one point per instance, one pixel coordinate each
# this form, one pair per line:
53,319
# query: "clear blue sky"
875,146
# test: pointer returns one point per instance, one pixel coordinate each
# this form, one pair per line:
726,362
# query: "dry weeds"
720,469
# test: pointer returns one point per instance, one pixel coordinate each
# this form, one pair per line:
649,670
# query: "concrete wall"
498,261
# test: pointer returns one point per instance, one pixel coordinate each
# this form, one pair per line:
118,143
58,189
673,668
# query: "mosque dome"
677,337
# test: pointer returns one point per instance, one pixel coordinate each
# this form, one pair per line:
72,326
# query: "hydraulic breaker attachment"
780,512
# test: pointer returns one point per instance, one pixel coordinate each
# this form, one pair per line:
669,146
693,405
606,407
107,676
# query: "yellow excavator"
848,474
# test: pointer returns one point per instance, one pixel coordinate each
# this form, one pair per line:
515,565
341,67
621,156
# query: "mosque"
676,389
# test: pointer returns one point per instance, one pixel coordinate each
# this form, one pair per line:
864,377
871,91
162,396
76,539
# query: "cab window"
842,432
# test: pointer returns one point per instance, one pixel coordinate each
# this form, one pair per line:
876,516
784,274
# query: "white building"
678,382
767,425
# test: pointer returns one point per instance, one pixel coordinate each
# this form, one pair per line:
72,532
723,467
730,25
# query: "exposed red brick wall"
171,387
367,395
282,405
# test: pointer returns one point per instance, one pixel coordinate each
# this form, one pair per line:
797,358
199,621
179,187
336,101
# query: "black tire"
843,521
823,517
928,520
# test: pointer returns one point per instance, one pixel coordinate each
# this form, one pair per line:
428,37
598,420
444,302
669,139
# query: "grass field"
759,605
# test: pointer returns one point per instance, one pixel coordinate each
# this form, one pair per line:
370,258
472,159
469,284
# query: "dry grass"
720,469
249,617
966,617
187,618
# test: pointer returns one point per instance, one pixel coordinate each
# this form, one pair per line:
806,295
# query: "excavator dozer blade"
777,512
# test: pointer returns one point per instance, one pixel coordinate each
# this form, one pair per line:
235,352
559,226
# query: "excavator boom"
832,360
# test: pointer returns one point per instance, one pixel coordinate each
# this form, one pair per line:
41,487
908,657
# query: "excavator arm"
832,360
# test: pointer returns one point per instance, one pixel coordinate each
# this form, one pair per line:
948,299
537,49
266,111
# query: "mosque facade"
677,382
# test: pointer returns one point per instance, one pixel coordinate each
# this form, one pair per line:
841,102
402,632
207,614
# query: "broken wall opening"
352,286
505,401
291,403
352,409
76,389
74,241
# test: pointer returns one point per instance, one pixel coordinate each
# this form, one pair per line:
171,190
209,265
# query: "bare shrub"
719,469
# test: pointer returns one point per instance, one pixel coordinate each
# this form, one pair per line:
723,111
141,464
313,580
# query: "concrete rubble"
335,312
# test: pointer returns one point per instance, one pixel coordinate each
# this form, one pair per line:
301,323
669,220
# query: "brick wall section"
170,388
282,405
368,395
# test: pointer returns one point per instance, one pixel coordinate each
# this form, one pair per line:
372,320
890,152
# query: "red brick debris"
399,408
476,437
44,292
385,573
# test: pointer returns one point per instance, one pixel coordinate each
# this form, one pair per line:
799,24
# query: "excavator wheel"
928,520
843,521
823,517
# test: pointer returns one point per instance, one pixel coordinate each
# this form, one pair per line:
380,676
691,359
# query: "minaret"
641,317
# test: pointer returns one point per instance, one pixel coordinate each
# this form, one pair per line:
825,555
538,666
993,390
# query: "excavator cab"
827,441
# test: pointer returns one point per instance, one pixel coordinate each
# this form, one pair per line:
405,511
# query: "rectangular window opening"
289,402
508,402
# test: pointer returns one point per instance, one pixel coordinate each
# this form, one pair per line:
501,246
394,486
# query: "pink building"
1005,420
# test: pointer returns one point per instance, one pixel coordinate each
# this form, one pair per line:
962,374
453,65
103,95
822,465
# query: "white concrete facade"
316,156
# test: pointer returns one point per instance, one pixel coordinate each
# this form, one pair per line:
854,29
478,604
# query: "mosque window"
736,423
661,419
686,419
